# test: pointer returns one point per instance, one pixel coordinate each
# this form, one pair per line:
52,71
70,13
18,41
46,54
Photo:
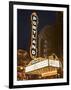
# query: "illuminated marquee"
42,64
33,47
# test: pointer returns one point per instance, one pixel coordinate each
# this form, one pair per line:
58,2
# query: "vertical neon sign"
34,24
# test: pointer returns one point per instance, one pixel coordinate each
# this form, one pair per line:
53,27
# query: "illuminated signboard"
42,64
33,47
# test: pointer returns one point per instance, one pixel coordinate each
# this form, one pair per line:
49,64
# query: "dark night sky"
24,25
